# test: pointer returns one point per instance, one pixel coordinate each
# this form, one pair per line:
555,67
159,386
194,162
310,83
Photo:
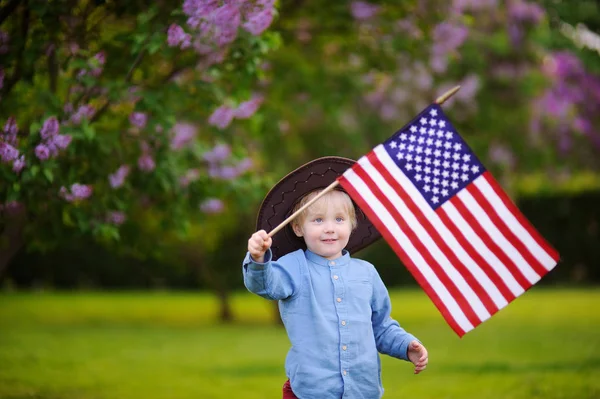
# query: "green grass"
169,345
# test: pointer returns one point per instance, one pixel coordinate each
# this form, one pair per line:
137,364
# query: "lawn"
169,346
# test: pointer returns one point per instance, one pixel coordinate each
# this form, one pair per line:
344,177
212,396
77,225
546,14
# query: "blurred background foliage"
178,127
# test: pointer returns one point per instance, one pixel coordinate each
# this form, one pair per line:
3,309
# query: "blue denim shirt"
337,317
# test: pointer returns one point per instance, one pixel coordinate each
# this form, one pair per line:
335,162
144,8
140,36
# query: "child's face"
327,226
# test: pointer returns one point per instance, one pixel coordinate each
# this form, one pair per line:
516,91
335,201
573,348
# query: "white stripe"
496,235
425,239
410,250
514,225
452,241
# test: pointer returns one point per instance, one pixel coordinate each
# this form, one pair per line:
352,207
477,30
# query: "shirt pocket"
360,289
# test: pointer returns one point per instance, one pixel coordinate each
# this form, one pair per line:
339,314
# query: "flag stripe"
504,228
394,235
486,275
406,206
453,216
474,208
469,303
490,241
512,208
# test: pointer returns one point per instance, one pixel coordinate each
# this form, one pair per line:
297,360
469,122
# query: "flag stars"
445,192
411,148
426,188
446,174
427,169
440,134
436,162
433,112
455,175
445,183
467,157
418,177
442,124
427,151
418,158
413,129
436,181
454,185
402,147
427,179
435,190
447,155
427,161
436,172
431,132
423,121
464,177
421,140
475,169
409,166
422,130
433,122
437,153
400,155
447,145
403,136
393,145
435,200
412,138
449,135
418,168
430,141
457,147
419,150
456,156
438,143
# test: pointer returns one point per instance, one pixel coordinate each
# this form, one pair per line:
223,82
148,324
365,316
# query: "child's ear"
297,230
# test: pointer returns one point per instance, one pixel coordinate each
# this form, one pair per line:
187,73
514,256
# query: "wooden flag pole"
440,100
309,203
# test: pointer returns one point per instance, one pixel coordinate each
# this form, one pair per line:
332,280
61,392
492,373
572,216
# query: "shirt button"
335,277
344,347
332,263
345,372
343,322
339,299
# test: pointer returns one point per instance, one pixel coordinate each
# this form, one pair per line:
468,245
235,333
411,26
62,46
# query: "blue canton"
433,156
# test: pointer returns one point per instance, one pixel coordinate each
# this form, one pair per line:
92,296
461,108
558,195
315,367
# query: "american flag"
448,220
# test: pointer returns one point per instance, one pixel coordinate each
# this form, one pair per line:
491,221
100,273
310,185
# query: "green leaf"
48,174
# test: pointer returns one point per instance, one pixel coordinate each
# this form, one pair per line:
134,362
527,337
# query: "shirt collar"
342,260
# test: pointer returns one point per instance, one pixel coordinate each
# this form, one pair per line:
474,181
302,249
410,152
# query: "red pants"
287,391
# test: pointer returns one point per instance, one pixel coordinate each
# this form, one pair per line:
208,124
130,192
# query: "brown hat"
281,199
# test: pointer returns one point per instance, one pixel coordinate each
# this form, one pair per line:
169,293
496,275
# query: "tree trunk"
11,239
225,313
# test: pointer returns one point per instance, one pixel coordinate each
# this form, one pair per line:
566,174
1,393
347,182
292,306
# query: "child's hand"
258,245
417,354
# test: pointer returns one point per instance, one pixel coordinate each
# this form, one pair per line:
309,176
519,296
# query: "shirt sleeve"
391,339
272,280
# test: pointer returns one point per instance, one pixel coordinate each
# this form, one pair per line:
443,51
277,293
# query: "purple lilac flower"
42,152
146,163
138,119
212,206
448,37
10,131
226,20
116,217
218,154
8,153
501,155
77,192
83,112
19,164
362,10
523,11
257,23
244,165
117,179
221,117
176,36
50,128
182,134
12,207
474,5
190,176
248,108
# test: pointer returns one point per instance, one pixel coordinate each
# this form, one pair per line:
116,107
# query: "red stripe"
520,217
507,232
479,290
381,227
423,250
476,256
489,242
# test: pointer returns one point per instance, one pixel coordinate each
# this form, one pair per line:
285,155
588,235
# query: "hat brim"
281,199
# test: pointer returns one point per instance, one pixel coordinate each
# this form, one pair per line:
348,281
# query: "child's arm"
270,280
391,339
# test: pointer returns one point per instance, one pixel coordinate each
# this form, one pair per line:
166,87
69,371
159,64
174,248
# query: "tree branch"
8,9
18,72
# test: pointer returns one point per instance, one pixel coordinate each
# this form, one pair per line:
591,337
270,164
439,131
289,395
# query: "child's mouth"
329,241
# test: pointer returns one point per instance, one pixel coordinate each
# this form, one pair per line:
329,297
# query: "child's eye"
318,220
339,219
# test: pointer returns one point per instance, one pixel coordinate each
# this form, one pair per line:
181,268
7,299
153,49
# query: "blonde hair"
321,203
